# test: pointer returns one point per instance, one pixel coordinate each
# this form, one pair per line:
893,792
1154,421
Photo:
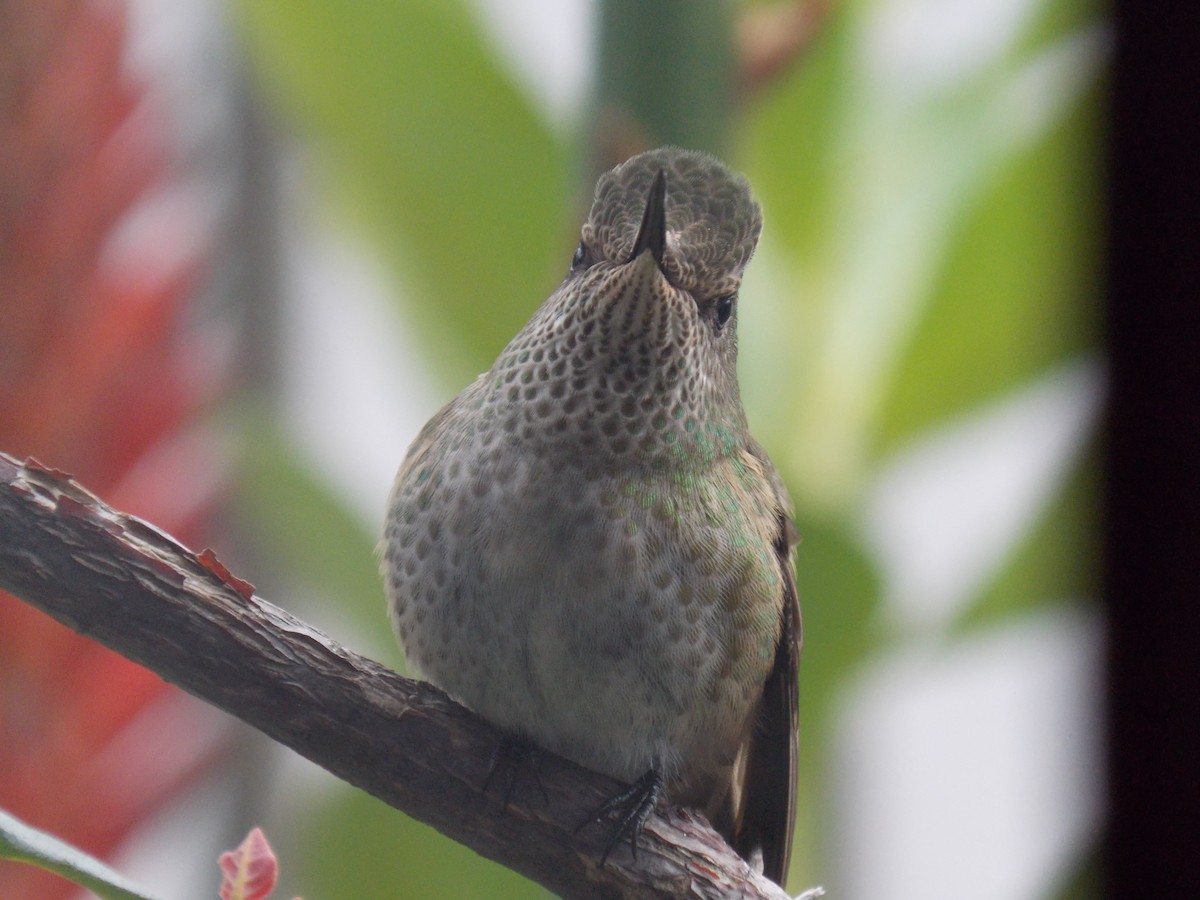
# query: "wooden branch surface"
134,589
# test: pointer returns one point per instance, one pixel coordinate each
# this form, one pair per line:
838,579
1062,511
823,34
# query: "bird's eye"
724,309
581,258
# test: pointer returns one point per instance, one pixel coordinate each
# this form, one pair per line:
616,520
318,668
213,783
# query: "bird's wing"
768,807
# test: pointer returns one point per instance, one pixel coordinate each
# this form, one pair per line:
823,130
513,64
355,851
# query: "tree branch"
131,587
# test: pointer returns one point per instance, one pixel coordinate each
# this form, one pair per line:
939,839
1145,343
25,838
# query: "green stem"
24,843
664,76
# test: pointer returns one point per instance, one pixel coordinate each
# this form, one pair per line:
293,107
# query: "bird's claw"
631,808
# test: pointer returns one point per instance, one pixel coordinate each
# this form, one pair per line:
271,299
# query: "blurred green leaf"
1018,293
839,595
789,153
916,135
362,848
428,137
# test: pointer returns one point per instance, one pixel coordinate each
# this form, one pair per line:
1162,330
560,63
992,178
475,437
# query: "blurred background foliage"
917,333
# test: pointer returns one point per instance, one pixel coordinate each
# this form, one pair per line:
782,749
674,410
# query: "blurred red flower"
93,347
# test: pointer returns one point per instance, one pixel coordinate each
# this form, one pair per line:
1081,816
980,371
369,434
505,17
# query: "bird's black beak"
652,235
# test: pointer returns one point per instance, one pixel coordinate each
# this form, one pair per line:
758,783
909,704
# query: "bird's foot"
630,808
512,754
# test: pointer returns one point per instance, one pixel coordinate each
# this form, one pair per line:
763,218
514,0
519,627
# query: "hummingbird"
586,546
